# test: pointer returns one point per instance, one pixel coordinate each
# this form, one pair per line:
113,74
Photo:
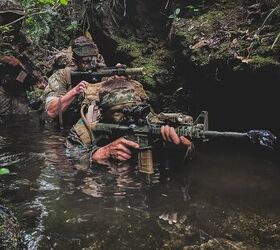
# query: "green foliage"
47,19
175,14
4,171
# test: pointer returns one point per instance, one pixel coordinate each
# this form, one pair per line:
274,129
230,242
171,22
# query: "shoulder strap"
68,75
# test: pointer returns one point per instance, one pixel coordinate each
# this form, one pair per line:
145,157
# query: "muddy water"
227,198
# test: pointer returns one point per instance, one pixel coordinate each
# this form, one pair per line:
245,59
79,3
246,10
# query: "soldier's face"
114,116
84,63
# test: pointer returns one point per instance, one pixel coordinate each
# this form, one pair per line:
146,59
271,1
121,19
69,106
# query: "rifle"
144,132
95,75
29,69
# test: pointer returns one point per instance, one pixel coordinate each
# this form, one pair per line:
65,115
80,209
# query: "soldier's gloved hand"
119,149
169,135
80,88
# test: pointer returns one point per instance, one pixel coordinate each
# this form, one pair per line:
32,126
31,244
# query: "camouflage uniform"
14,80
11,10
13,97
60,82
99,99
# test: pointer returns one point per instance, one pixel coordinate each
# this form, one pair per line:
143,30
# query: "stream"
226,198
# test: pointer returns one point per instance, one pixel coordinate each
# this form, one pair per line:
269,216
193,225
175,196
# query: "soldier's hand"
119,65
80,88
119,149
169,135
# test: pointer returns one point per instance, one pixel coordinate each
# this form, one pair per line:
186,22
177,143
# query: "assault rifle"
96,74
143,132
29,69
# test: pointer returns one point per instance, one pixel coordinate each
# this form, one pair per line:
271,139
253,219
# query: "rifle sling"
60,117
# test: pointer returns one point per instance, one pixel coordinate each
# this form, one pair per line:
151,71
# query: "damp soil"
226,198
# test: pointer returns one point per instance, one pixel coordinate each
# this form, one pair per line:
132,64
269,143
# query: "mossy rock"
227,34
152,55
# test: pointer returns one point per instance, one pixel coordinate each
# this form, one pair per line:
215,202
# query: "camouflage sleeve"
91,94
57,86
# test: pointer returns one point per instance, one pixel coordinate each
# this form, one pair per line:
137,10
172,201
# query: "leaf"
4,171
177,11
63,2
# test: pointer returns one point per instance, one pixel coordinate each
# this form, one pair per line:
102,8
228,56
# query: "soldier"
60,95
106,101
11,15
17,73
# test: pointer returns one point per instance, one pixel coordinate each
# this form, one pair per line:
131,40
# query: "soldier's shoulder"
136,82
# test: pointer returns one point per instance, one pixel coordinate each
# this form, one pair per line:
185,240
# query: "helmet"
10,11
11,6
119,92
83,46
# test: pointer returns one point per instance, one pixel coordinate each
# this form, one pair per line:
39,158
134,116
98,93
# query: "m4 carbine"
144,134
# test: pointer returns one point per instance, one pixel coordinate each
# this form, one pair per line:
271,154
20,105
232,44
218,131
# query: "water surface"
227,198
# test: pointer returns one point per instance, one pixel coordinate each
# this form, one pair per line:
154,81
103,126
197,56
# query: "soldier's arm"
59,97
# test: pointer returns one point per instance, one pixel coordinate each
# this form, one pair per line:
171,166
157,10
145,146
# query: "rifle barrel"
213,134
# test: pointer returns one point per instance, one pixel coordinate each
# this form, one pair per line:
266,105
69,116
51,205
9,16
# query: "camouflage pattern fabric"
58,85
121,92
83,46
106,95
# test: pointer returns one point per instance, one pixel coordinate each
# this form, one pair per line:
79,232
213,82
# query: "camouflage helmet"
120,93
11,6
83,46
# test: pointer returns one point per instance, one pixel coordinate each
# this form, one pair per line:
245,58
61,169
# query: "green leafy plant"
44,17
175,14
4,171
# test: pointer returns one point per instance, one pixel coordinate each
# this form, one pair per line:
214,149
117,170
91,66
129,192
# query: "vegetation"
49,20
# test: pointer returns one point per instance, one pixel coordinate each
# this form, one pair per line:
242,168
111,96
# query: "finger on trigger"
174,137
129,143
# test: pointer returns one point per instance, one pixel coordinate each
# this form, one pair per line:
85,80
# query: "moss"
224,35
129,47
258,62
151,56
